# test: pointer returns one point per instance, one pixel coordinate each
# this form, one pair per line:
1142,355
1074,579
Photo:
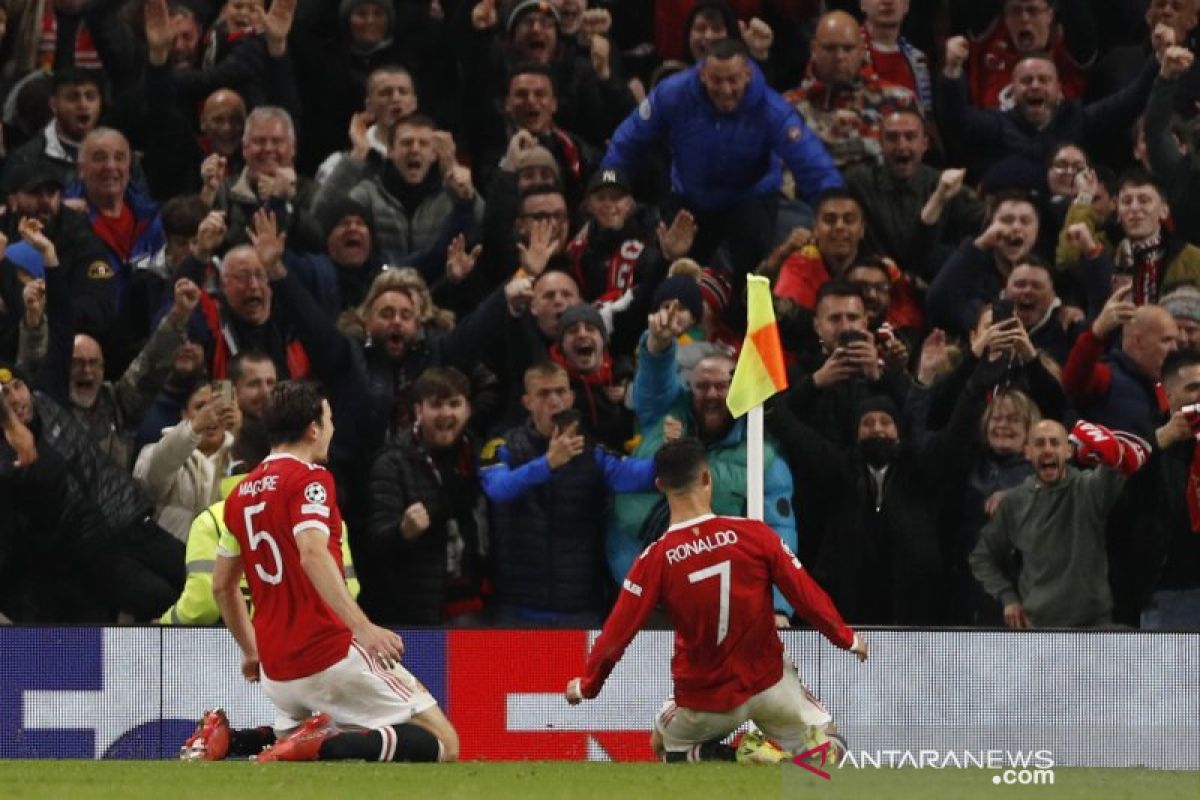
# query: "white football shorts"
354,692
786,712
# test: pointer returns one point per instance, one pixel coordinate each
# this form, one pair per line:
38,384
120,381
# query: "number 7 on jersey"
721,570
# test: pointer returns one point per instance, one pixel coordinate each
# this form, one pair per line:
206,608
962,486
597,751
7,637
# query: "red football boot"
302,745
210,741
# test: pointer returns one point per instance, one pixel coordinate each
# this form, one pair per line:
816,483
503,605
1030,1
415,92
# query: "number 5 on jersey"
256,538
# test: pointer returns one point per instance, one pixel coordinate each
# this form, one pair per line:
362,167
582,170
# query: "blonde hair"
1022,404
408,282
685,266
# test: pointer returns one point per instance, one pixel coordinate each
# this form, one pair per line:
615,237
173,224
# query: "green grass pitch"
134,780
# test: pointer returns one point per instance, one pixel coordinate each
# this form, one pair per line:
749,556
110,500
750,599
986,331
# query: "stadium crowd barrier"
1111,699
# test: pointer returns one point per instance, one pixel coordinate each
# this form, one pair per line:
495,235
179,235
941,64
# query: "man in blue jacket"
549,486
728,133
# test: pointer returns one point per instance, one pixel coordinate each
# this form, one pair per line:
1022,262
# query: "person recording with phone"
182,471
1052,325
99,552
1155,557
1117,384
897,341
849,367
1001,343
549,486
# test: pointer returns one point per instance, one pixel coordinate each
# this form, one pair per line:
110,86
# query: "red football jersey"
714,576
297,633
893,67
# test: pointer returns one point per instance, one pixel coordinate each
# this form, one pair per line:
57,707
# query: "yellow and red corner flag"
760,371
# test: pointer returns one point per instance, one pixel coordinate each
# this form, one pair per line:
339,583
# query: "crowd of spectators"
510,239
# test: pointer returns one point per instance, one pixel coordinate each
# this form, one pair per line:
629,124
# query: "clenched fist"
415,521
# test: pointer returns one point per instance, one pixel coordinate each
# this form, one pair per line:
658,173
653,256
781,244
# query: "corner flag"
760,372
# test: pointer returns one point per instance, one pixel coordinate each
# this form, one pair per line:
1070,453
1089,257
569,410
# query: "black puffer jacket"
549,543
880,556
77,494
411,585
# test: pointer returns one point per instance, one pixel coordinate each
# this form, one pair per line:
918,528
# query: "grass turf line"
155,780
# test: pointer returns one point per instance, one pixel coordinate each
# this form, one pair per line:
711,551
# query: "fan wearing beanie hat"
696,342
878,432
10,372
1183,303
877,489
519,9
715,296
350,248
582,350
617,255
17,412
684,290
533,26
536,166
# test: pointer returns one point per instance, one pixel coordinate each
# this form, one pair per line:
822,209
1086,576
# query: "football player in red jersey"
714,577
324,665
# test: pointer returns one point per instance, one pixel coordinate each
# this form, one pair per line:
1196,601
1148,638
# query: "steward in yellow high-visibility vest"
196,605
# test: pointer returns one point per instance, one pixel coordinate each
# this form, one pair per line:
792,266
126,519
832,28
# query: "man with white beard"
111,411
663,404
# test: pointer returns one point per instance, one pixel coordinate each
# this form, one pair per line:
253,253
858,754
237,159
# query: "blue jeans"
1173,609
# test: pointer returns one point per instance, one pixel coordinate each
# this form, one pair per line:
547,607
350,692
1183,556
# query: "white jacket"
180,479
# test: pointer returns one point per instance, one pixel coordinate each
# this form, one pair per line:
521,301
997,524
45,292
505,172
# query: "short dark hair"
531,68
870,262
725,49
836,193
678,464
293,406
1139,177
182,215
550,270
1179,360
440,383
539,189
1036,55
1003,196
236,365
388,69
77,76
416,120
1034,260
1060,146
250,447
837,289
544,369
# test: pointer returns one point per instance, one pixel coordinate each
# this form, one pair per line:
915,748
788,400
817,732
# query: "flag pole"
754,463
760,373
